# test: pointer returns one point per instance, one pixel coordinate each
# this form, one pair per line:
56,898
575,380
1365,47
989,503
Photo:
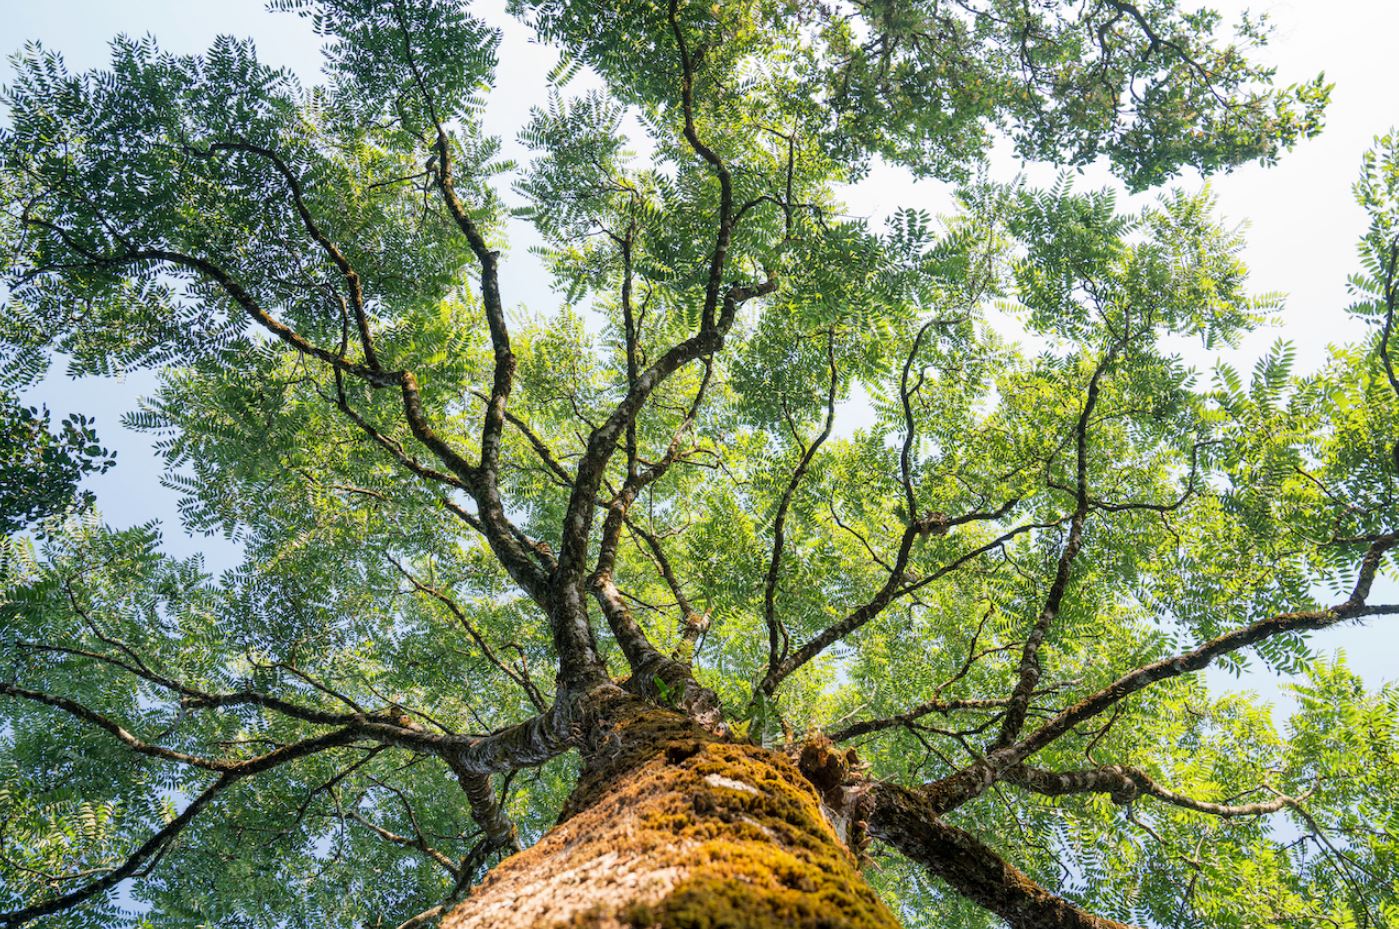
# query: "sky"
1299,218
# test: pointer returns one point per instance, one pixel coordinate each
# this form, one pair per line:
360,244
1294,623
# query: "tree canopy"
461,517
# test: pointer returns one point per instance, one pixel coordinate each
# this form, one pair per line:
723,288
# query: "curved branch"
87,715
580,663
333,251
440,596
418,842
726,219
500,831
896,586
941,707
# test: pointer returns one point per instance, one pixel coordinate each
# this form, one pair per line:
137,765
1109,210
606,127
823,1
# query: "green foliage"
1210,501
1145,85
39,468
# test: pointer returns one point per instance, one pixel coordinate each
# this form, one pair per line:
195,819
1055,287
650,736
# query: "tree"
589,615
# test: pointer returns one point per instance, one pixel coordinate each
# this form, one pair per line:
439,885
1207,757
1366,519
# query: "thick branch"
486,810
910,824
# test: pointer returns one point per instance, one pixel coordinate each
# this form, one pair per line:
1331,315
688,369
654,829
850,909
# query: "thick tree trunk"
673,827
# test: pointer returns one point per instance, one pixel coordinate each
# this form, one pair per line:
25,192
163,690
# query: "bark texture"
909,823
672,827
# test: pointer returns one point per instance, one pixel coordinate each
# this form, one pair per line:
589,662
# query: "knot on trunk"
838,776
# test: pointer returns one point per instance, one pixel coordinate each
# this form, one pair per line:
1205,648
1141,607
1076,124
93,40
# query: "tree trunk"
671,827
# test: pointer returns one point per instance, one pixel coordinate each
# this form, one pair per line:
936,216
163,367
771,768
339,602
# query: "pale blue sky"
1302,222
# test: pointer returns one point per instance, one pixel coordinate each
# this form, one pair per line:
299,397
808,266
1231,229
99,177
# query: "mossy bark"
674,828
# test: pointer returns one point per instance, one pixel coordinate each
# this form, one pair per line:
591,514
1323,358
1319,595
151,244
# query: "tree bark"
908,822
671,826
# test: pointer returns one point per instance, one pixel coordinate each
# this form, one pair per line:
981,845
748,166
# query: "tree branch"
778,640
971,781
440,596
116,729
352,278
908,822
896,586
167,834
1029,671
1125,784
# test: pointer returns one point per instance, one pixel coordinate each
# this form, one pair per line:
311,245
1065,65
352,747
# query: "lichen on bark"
672,827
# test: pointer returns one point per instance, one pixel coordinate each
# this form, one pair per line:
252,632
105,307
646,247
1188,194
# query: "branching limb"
193,698
693,622
778,640
500,831
580,665
440,167
908,822
393,447
642,656
719,256
942,707
480,482
416,842
528,743
436,593
1029,672
895,586
337,257
140,746
972,780
231,287
157,842
1125,784
581,662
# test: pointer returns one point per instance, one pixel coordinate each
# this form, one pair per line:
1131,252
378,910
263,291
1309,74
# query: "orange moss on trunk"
673,828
